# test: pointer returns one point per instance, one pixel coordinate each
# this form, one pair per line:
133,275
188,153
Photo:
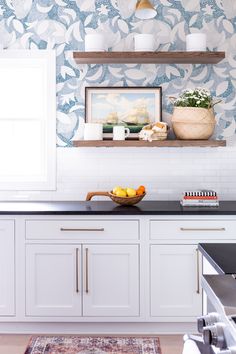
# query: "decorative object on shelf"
122,196
95,43
145,10
93,131
156,131
144,43
120,132
134,107
201,198
196,42
193,116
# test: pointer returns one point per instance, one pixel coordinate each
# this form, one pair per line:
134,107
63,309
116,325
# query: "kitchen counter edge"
109,208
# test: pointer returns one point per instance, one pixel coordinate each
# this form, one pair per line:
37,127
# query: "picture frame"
133,107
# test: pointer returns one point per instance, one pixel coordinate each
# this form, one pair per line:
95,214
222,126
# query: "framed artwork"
133,107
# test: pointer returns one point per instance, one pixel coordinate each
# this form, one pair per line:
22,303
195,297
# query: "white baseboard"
97,328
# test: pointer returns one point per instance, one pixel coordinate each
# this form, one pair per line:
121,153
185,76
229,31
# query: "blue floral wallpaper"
62,24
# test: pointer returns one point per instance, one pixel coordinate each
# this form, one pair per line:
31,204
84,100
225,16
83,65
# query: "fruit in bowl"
127,196
122,196
128,192
121,193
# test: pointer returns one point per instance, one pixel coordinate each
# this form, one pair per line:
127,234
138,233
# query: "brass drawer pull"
198,273
63,229
77,270
204,229
86,270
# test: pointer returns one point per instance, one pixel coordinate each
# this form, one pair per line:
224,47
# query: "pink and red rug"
93,345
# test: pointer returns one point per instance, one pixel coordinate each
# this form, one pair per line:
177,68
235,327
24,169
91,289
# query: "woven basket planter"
192,123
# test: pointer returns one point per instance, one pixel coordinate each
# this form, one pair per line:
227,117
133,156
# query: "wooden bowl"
126,200
116,199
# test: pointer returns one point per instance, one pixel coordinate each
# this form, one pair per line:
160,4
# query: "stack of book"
201,198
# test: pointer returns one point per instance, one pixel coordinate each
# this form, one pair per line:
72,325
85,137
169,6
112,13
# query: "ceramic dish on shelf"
119,200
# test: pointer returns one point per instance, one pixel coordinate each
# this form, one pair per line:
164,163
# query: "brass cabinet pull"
198,273
204,229
86,270
64,229
77,270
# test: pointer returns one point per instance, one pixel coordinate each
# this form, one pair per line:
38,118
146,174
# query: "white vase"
144,43
95,43
196,42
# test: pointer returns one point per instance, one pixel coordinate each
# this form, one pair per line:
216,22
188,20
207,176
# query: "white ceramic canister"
95,43
196,42
144,43
93,131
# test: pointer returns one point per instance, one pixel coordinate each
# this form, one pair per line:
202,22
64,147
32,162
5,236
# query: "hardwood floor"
16,344
171,344
13,344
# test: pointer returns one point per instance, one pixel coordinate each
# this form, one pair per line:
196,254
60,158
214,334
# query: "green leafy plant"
198,97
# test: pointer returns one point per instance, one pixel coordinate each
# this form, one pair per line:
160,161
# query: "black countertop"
109,208
222,256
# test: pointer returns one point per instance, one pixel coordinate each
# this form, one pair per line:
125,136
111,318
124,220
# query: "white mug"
93,131
196,42
144,43
120,132
94,43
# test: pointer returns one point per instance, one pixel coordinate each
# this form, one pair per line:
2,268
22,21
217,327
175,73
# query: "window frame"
49,124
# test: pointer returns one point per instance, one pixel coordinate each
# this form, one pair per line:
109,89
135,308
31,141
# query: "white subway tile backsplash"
166,172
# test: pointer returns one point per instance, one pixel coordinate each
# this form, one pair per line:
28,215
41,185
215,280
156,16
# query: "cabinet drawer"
83,229
192,229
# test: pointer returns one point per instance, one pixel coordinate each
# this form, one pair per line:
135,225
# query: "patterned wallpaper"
62,24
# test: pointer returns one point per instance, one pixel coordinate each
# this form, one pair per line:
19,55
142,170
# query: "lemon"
121,193
116,189
131,192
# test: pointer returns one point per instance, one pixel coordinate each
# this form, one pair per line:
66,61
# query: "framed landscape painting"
133,107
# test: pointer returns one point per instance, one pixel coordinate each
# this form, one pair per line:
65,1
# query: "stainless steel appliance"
217,328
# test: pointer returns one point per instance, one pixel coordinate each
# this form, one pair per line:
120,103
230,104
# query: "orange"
142,188
139,191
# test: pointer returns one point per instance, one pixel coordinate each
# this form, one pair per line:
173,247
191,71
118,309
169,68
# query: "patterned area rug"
94,345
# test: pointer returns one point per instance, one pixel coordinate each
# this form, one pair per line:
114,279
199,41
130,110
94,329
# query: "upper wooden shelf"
148,57
141,143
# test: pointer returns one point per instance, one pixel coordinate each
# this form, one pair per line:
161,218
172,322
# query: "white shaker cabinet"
111,280
53,280
175,281
7,268
104,273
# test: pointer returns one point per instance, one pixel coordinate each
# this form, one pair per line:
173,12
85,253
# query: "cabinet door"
111,280
53,280
175,287
7,268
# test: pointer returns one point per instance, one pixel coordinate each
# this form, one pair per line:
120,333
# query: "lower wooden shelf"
140,143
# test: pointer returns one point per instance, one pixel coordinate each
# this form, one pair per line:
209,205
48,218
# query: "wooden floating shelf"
141,143
148,57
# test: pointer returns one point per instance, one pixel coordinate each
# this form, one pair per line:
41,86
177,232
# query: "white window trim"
50,182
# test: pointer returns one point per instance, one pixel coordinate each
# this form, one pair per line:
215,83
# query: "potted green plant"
193,116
